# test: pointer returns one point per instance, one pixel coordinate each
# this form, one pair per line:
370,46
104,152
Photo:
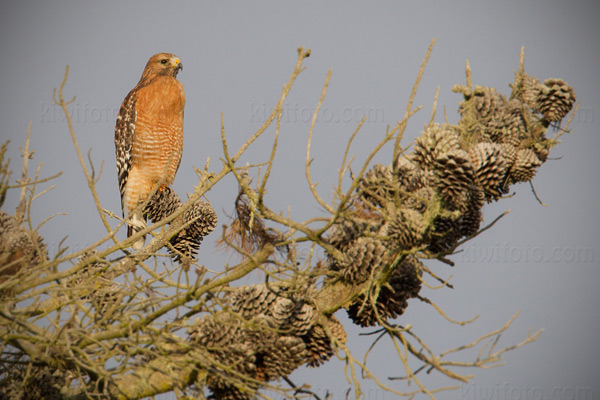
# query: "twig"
411,99
308,161
27,155
536,195
344,166
441,312
60,101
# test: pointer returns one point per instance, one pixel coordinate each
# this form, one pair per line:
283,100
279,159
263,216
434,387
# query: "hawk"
149,137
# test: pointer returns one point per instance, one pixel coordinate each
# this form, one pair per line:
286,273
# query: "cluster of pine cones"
33,382
431,198
89,283
200,220
266,334
20,248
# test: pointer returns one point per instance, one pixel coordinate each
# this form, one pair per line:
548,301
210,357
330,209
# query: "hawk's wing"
124,130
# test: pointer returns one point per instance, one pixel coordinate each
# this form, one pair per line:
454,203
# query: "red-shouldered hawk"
149,137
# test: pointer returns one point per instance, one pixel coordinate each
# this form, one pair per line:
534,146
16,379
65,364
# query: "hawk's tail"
137,224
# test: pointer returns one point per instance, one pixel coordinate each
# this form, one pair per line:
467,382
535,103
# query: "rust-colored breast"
158,138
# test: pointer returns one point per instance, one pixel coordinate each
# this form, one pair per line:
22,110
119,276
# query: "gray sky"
541,260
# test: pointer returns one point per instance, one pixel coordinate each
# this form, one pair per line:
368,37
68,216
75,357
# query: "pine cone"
509,153
215,331
525,166
260,349
84,280
318,346
253,300
36,382
240,355
436,141
201,218
343,233
445,234
419,199
337,329
530,91
469,221
454,173
184,249
362,256
164,203
233,347
487,103
294,317
490,168
287,354
301,320
7,223
407,228
20,248
378,185
404,165
404,282
282,310
405,173
555,99
106,298
509,124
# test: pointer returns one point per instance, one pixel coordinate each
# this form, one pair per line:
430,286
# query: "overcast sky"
236,56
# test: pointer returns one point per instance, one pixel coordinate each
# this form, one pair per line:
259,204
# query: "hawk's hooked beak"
178,65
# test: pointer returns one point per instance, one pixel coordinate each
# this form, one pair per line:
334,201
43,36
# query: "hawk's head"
163,64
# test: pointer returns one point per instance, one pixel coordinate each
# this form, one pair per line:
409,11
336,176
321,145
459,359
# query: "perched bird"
149,137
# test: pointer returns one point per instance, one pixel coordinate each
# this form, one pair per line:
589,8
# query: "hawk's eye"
164,61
